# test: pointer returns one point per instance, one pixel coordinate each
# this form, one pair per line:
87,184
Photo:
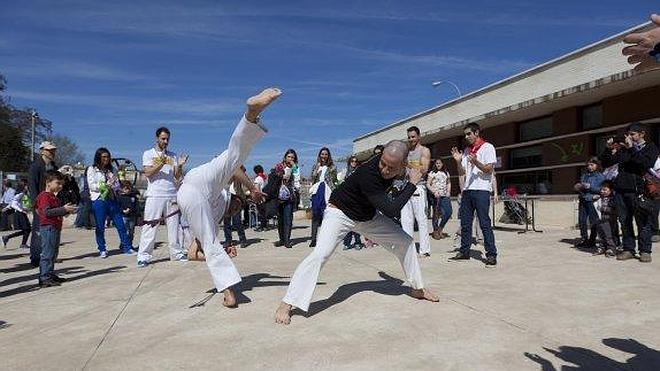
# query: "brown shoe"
625,255
436,235
645,257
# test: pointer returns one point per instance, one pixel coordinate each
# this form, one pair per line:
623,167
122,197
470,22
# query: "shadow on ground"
67,271
644,358
387,286
247,284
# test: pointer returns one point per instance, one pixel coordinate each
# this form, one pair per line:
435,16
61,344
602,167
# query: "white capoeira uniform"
415,209
161,202
357,196
203,199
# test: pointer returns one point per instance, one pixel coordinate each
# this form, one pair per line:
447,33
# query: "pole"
32,152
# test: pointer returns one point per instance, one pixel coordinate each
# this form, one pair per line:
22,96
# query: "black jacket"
633,165
70,192
37,176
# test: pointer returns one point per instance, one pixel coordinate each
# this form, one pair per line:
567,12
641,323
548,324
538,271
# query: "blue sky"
108,73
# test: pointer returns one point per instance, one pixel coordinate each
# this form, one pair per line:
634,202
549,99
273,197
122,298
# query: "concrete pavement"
546,306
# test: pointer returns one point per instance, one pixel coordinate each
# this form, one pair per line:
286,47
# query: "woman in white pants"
204,200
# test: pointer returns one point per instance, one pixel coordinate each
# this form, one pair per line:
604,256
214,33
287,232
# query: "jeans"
102,210
50,248
129,223
83,218
348,240
231,223
587,214
284,221
442,204
478,201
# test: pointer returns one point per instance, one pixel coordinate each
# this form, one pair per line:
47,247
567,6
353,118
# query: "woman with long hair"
324,181
21,205
103,183
440,186
286,197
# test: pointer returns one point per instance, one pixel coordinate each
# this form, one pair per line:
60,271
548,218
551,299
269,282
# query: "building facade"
544,122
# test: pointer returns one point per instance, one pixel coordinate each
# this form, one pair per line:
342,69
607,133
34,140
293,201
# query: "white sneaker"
181,258
103,254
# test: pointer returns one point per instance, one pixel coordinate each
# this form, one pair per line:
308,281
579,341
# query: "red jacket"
46,201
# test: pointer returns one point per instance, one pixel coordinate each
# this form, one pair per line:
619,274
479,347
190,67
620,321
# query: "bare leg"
283,314
256,104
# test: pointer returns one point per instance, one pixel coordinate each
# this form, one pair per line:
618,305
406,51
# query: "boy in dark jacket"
50,213
128,202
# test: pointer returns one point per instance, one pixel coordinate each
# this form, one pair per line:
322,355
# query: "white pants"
415,208
336,225
155,208
202,199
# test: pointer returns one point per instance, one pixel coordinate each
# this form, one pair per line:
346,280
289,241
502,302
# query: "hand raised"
456,154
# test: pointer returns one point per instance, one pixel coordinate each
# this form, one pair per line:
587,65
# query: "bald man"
361,204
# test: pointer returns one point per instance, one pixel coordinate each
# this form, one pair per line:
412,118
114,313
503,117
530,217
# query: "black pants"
629,212
605,230
5,220
35,242
316,223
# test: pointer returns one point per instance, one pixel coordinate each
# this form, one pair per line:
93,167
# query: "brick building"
544,122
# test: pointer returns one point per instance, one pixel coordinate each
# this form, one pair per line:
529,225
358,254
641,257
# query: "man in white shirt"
204,200
476,163
163,171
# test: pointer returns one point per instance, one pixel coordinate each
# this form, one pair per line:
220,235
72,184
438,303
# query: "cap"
47,145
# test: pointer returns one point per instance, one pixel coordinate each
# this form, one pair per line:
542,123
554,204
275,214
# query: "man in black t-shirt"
361,204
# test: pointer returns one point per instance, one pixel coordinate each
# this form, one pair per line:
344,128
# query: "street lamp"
34,115
438,83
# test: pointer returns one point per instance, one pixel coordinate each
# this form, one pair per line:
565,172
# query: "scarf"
475,147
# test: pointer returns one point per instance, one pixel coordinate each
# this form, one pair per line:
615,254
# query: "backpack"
272,187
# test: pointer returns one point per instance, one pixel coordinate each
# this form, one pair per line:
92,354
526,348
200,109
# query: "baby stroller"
514,209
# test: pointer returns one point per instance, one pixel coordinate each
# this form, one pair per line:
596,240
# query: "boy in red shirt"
50,225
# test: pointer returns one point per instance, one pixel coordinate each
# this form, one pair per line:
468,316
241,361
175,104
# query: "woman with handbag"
103,183
286,198
324,181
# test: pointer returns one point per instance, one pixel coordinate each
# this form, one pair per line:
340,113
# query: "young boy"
50,226
128,202
608,219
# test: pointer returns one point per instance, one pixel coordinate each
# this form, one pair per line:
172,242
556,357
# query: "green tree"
14,156
68,152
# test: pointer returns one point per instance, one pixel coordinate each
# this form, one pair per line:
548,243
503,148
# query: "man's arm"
458,158
33,180
392,207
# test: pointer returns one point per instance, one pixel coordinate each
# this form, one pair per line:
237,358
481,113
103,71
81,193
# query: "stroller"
514,209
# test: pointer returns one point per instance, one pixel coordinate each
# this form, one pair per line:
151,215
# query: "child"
21,205
128,203
589,189
608,221
50,226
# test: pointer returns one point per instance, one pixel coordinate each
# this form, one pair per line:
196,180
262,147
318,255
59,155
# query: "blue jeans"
587,212
231,223
50,248
478,201
284,221
442,204
109,208
129,223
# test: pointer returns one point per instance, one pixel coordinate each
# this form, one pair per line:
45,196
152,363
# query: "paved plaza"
546,306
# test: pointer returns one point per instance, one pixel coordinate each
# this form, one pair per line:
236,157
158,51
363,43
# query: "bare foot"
230,298
259,102
231,251
424,294
283,314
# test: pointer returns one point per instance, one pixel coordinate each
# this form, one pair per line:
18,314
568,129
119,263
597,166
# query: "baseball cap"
47,145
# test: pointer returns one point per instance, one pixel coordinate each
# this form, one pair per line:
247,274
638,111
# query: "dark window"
526,157
533,182
536,129
592,117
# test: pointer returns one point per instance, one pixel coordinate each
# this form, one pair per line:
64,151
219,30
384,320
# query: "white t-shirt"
259,182
161,184
475,179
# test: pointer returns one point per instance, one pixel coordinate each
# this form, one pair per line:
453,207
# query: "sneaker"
583,244
48,283
130,252
460,256
25,247
599,251
243,244
609,252
57,278
347,247
4,241
491,262
103,254
278,244
655,238
358,246
436,235
142,264
426,255
625,255
288,245
182,258
645,257
312,244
